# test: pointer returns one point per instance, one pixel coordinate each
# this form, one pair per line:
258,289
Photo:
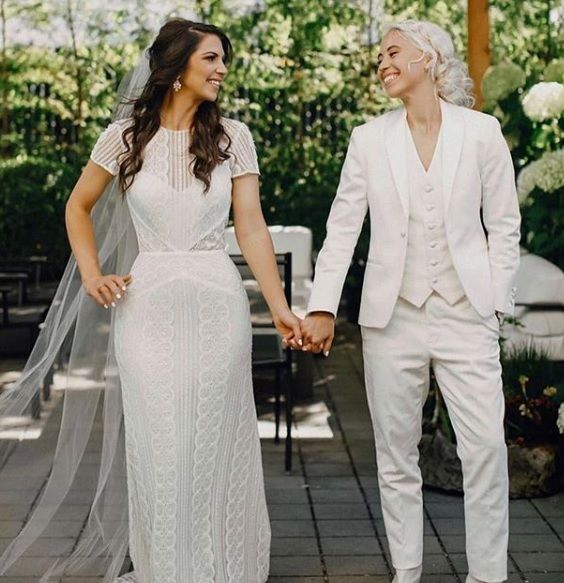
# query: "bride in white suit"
438,181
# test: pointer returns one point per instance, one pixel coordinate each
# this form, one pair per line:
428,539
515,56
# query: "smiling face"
205,70
398,77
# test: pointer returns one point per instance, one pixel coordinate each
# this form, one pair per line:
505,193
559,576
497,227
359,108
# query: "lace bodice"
168,206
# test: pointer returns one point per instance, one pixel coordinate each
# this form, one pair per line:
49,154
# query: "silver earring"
177,85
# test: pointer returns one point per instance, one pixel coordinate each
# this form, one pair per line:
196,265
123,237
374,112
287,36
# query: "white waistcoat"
428,264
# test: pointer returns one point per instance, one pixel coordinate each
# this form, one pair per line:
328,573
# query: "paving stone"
19,497
43,547
343,511
281,496
14,511
359,579
350,545
544,577
283,528
528,526
448,526
277,579
294,546
336,496
522,509
306,566
345,528
355,565
329,470
454,543
333,483
535,542
62,529
289,511
461,565
30,567
436,564
540,562
440,510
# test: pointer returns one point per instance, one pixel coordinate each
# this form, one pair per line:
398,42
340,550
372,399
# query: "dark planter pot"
533,470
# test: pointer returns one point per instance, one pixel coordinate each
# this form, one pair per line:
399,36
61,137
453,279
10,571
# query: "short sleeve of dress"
243,158
108,148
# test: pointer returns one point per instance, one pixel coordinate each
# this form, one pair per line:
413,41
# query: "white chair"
298,241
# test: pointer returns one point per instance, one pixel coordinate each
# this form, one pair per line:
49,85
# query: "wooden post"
478,44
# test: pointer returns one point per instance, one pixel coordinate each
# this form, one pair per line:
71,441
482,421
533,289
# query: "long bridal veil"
92,386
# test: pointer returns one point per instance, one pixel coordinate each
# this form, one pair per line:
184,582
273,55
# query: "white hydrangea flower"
544,100
560,420
501,80
546,173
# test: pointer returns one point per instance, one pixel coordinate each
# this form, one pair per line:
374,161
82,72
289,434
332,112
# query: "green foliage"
33,193
303,76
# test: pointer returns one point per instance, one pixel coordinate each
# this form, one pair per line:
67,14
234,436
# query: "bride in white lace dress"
197,510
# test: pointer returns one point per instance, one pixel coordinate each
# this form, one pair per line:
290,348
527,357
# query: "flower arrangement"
544,101
534,396
546,174
531,113
501,81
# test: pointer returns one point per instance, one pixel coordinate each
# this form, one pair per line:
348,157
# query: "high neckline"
174,131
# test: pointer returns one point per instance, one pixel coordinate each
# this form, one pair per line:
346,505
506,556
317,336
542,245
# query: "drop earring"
177,85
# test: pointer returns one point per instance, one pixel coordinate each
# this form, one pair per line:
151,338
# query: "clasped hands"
314,333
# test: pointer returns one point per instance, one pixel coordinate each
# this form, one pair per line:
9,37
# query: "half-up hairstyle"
175,43
447,71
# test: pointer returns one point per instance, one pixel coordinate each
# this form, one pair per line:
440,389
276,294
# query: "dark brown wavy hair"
168,56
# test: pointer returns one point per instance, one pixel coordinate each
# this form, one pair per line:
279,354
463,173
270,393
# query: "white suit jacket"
477,174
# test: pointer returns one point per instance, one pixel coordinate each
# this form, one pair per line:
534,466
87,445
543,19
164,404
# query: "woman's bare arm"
104,289
256,245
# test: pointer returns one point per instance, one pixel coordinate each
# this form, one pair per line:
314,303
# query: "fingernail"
118,296
113,304
304,349
106,306
300,342
123,288
326,353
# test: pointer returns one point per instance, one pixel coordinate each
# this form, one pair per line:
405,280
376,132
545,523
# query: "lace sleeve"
108,148
243,153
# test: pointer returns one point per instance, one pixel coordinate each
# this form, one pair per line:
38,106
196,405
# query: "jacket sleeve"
501,218
343,228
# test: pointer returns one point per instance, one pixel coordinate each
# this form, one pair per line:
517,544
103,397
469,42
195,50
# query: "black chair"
268,350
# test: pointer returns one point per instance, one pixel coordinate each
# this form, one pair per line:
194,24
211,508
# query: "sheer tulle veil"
92,391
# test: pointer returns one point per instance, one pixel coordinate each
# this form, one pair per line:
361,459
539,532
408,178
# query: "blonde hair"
447,71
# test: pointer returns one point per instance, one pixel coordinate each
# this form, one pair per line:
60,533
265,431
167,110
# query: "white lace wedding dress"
197,509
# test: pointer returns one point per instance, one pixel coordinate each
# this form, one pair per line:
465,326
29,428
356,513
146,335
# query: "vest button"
435,280
403,233
428,188
433,244
430,207
434,262
431,226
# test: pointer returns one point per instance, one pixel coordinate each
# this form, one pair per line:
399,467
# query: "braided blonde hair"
447,71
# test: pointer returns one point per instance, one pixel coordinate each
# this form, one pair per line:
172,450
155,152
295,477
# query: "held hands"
106,290
288,325
318,331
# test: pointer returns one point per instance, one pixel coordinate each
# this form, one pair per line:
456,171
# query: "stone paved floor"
326,517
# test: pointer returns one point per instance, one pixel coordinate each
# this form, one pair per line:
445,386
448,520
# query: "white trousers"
462,347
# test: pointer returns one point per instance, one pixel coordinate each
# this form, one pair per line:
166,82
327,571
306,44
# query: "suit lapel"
395,149
452,140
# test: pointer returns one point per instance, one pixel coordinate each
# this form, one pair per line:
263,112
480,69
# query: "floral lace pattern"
197,507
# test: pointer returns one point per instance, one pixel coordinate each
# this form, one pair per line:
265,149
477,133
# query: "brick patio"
326,517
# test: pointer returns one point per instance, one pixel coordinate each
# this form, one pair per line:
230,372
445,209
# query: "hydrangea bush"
530,109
